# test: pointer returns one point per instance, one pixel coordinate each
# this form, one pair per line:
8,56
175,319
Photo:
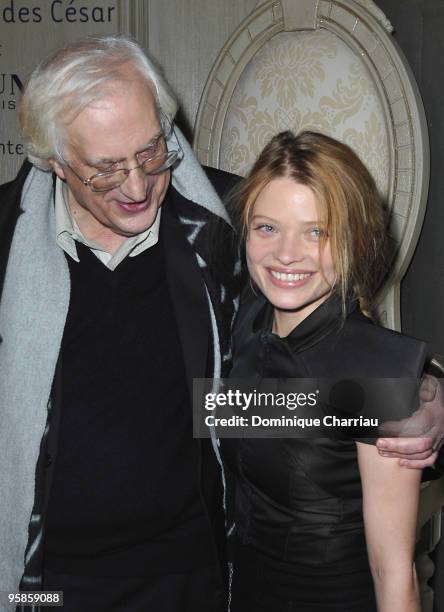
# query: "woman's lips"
289,279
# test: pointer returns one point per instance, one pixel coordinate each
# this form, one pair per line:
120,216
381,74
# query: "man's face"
109,134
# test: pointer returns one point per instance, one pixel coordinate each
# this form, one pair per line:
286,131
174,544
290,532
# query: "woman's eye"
265,228
316,233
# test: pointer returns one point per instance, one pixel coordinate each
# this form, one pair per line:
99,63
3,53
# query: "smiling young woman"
328,178
284,255
321,524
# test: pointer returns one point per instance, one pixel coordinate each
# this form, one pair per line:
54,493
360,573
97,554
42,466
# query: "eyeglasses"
158,159
105,181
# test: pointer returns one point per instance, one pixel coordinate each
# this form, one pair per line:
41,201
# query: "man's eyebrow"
99,161
151,142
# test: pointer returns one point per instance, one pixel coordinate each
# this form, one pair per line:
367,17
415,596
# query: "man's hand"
422,433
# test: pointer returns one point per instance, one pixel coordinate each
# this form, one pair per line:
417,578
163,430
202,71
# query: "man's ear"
57,168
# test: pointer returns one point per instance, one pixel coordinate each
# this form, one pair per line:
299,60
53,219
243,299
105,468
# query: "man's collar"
68,232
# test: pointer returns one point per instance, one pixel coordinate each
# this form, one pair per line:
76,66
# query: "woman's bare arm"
390,506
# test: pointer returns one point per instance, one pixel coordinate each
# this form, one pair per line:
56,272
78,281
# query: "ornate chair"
330,66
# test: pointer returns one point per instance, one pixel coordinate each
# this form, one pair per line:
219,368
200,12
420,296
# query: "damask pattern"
276,68
306,81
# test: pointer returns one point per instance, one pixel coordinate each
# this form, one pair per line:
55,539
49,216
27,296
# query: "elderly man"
113,297
112,301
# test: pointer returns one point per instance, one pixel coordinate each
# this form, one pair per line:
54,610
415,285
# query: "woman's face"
283,254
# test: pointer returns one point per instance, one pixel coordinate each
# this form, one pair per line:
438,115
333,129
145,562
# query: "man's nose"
289,249
135,186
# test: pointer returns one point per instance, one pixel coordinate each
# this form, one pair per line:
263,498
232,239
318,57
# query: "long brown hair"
350,207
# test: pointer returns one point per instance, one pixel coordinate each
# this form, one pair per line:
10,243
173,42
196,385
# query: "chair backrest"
330,66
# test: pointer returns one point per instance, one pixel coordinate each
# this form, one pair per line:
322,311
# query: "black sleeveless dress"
299,532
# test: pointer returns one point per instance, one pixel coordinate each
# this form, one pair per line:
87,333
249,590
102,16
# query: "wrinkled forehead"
117,124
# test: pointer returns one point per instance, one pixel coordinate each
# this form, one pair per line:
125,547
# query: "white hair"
73,77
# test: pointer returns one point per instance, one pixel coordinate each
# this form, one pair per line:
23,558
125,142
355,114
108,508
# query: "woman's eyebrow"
314,222
304,223
256,217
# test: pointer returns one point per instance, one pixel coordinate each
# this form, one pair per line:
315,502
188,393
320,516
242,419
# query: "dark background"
419,31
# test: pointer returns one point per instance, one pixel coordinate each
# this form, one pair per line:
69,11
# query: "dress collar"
326,319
